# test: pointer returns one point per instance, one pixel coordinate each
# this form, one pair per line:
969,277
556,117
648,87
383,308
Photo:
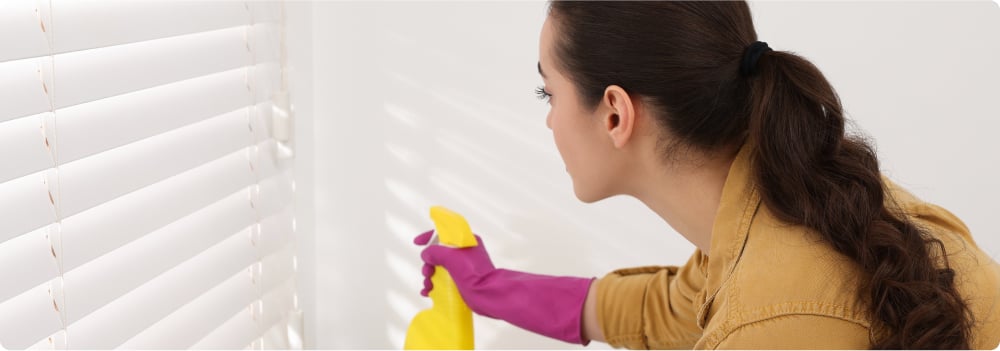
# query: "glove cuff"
547,305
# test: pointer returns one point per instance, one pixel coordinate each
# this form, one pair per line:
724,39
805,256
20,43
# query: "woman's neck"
686,196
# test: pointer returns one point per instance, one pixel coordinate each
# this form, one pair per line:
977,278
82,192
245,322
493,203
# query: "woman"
801,243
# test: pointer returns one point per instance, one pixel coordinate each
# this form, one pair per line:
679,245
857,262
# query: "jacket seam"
668,344
759,314
725,336
621,339
806,308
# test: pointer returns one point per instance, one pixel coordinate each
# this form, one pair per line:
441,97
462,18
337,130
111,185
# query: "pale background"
403,105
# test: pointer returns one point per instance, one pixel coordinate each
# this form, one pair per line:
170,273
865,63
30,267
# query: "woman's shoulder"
977,275
789,269
936,219
786,275
963,254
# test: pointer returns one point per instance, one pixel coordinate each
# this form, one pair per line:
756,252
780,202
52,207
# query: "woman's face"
579,135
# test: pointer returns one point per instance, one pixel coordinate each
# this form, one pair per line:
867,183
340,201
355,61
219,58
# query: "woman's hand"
467,266
547,305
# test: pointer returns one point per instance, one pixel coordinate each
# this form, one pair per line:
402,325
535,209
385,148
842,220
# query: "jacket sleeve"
797,331
651,307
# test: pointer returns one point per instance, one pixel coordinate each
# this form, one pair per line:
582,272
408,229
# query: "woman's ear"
619,120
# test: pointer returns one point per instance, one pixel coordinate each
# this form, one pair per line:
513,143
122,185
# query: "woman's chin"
587,196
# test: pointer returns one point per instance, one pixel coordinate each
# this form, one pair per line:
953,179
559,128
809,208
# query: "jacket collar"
737,208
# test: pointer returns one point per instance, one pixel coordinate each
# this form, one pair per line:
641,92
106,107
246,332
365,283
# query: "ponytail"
810,173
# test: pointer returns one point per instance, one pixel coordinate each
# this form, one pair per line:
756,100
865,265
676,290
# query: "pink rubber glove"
547,305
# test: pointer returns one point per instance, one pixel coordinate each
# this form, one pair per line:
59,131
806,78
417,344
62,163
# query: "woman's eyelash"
542,94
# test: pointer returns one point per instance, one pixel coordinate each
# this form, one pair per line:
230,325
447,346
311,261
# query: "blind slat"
98,126
244,327
265,11
52,342
25,262
263,159
25,204
275,193
260,120
28,318
21,30
86,25
277,303
116,322
118,272
267,79
92,75
101,229
286,334
276,271
102,177
190,323
22,148
233,334
25,86
265,42
276,231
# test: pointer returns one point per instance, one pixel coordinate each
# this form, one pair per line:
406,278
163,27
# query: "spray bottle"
447,325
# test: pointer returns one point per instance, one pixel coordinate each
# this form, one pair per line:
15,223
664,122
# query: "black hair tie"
750,57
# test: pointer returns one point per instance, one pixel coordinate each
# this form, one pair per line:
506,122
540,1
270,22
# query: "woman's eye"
542,94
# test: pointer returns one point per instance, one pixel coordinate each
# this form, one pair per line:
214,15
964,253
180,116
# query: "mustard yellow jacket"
771,285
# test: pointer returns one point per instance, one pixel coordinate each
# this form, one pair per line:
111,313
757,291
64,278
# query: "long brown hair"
684,58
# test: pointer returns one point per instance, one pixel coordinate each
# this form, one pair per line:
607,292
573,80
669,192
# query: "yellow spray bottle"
447,325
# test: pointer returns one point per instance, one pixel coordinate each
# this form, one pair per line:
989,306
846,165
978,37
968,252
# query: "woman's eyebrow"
540,70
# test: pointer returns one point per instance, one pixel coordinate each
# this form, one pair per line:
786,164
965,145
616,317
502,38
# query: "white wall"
416,104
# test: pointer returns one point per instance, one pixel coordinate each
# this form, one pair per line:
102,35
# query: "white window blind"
146,186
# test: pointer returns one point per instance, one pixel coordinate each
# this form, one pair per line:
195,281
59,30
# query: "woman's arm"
591,328
649,307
